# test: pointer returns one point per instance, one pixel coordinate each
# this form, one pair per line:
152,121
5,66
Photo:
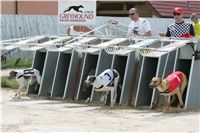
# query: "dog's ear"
92,78
154,79
159,80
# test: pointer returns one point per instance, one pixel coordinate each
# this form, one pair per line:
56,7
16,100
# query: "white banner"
76,12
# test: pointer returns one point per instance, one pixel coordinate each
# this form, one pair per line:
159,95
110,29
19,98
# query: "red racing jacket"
175,80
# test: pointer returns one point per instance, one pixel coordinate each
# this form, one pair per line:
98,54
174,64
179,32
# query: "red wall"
30,7
8,7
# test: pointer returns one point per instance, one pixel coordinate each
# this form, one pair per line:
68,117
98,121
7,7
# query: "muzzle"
85,82
152,86
10,77
86,85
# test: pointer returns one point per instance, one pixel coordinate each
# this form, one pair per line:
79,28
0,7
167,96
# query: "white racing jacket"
104,79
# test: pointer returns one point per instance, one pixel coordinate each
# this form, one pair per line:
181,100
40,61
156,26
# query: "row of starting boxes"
159,57
152,47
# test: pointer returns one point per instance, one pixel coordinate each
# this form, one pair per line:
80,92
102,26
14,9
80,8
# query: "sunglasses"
176,14
131,14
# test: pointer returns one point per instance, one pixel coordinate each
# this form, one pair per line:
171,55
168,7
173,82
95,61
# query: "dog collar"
100,87
20,76
166,91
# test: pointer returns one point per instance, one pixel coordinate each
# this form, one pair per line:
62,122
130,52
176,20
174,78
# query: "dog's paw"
181,106
87,100
16,97
48,95
154,105
103,98
23,94
166,109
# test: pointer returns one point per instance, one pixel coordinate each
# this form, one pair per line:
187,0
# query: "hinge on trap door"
196,53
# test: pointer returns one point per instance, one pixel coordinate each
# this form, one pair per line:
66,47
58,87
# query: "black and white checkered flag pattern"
176,30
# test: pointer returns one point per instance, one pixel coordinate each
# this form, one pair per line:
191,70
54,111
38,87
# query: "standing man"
196,24
138,26
180,28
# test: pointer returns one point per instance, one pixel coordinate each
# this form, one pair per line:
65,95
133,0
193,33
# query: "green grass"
23,63
11,64
12,83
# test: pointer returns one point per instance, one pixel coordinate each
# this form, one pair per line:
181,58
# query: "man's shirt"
178,29
196,28
141,26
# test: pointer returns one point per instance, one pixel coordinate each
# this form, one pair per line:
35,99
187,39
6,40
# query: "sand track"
41,115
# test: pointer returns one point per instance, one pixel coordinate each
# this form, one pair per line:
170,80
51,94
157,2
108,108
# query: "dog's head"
155,82
12,75
90,80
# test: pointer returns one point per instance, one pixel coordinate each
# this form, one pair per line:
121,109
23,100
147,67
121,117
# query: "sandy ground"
30,114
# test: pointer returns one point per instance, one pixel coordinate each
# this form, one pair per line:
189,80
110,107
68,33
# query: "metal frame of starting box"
64,65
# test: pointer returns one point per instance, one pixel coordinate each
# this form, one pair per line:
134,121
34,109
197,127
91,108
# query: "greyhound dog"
33,75
107,81
174,84
87,88
76,8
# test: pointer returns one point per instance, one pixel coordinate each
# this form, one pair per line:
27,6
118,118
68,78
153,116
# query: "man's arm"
147,28
192,30
165,35
168,32
148,33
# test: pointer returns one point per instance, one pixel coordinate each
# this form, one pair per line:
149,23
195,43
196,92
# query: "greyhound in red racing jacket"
175,83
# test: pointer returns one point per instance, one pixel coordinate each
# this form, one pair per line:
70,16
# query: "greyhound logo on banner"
72,12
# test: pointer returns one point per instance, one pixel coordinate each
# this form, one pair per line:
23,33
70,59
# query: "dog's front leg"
167,99
180,99
104,96
116,81
115,95
173,99
21,86
32,80
112,97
